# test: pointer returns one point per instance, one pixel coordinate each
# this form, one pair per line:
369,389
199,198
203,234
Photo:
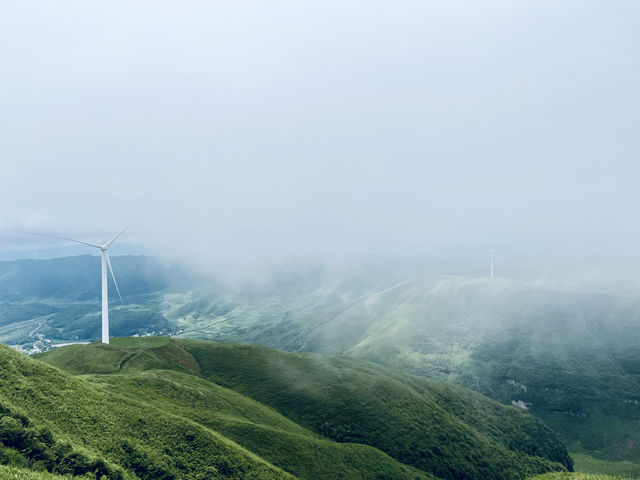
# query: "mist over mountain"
258,132
324,179
562,347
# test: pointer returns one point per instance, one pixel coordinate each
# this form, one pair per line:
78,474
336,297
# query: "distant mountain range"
566,352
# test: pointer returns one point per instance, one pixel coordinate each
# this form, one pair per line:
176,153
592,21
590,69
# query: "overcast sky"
273,128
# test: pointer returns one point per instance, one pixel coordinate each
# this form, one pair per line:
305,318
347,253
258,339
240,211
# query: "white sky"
292,127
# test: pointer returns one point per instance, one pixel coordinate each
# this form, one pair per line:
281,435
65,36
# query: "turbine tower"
106,263
491,252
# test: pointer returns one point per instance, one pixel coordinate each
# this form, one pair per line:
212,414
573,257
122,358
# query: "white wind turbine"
491,254
105,288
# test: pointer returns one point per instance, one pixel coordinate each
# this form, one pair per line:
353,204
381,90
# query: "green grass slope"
258,428
317,401
124,354
129,437
172,424
439,428
587,463
11,472
576,476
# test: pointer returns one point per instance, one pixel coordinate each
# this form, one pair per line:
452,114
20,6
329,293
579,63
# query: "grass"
316,416
576,476
257,427
589,464
172,424
443,429
10,472
132,436
122,355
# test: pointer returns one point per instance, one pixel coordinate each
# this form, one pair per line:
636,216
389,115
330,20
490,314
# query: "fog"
252,130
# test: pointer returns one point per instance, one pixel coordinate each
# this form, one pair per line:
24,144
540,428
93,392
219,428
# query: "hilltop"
308,416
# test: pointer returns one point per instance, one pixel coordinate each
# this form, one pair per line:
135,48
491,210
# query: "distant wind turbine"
105,289
491,252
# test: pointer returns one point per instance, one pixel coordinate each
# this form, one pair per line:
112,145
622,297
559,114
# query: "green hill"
84,424
64,424
316,416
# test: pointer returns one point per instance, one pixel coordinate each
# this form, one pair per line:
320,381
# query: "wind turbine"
491,252
106,263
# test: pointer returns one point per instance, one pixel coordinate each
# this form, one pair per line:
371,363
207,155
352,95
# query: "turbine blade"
67,238
113,276
118,235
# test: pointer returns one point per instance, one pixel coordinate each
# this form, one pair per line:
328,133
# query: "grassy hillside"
313,408
427,424
129,436
14,473
160,371
576,476
10,472
586,463
111,426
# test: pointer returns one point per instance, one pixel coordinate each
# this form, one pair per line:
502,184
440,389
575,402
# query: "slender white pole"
491,263
105,300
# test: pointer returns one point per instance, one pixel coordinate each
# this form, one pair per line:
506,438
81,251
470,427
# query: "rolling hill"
309,416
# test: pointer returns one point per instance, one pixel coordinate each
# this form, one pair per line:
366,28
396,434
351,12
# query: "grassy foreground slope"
11,472
130,437
78,422
317,401
587,463
576,476
260,429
